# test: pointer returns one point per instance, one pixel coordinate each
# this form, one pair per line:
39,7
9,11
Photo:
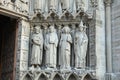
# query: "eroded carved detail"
37,47
65,48
80,46
51,43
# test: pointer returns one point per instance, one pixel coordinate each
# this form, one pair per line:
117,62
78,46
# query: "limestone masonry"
59,40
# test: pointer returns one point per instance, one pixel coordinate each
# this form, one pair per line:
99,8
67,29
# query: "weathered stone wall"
115,39
116,35
17,6
91,49
22,48
96,36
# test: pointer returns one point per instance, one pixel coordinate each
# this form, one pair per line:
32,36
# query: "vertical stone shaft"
108,37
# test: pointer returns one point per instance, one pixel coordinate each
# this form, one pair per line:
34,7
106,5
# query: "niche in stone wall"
73,21
26,77
65,19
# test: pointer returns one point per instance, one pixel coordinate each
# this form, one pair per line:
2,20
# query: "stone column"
23,48
108,40
100,42
100,48
108,36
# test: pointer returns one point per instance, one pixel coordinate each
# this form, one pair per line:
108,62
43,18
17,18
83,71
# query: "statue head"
73,26
66,29
51,28
81,27
37,29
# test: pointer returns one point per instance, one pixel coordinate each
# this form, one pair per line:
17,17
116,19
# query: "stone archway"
26,77
57,77
87,77
72,77
42,77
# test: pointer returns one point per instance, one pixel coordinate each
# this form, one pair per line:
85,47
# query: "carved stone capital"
107,2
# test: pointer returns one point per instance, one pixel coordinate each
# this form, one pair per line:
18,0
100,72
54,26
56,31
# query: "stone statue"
37,47
53,5
39,5
80,47
68,5
65,48
65,4
80,4
51,43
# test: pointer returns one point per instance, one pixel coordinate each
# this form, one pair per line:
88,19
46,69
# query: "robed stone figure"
65,48
66,4
80,47
51,43
39,5
53,4
80,4
37,47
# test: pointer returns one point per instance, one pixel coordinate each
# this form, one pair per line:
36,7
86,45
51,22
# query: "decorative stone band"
57,75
